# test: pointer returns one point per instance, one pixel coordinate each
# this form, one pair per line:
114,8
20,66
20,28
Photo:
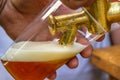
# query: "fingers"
81,39
73,63
87,52
74,4
52,76
98,39
101,38
85,29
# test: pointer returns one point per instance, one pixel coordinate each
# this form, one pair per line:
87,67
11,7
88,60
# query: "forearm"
2,4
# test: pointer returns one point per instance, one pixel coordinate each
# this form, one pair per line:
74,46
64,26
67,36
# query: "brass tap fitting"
103,11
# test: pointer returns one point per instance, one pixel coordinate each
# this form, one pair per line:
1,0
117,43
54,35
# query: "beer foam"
41,51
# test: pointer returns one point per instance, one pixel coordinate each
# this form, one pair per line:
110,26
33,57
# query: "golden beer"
37,60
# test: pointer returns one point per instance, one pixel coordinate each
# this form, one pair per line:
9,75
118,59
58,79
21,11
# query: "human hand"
16,15
75,4
15,18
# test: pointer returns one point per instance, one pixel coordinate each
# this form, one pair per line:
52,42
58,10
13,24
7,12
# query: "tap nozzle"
102,11
67,25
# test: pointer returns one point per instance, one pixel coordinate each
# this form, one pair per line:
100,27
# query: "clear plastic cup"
36,54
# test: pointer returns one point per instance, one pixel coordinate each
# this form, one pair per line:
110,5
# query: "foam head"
41,51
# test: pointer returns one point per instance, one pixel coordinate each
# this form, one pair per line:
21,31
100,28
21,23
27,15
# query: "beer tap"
103,11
